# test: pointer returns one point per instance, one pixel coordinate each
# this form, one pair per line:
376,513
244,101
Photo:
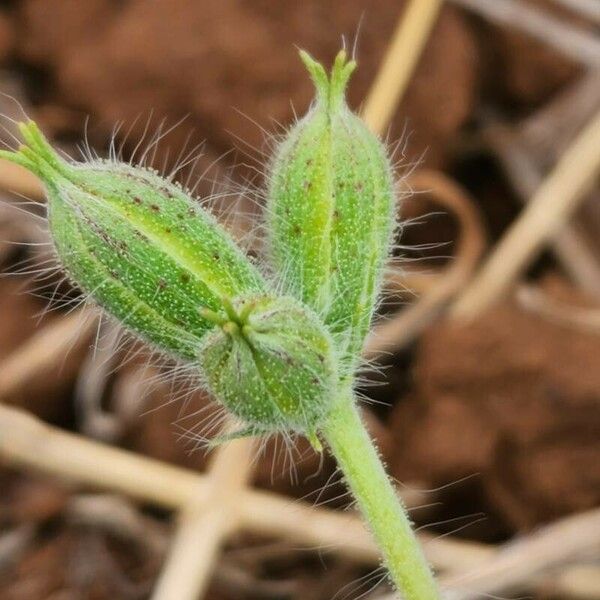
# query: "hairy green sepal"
139,245
271,362
146,251
331,209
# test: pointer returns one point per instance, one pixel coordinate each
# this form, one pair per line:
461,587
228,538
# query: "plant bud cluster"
151,256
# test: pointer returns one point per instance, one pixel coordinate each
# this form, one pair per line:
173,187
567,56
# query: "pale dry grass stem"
27,443
551,206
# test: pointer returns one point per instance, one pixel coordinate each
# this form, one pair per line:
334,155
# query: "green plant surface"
139,245
331,210
273,364
377,499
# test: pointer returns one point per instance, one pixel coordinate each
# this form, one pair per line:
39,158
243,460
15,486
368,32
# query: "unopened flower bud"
331,209
138,245
271,362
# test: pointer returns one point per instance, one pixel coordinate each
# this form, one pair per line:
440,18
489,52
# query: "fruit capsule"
331,209
138,245
271,362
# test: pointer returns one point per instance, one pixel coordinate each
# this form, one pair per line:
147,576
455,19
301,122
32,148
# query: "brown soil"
511,399
47,397
118,64
7,37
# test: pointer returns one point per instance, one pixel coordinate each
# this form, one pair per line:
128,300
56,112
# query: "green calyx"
145,251
35,154
271,362
139,246
331,211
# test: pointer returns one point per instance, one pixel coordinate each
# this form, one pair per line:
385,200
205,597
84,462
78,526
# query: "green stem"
365,475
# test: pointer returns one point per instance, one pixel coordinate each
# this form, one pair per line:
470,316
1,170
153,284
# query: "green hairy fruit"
271,362
331,209
139,246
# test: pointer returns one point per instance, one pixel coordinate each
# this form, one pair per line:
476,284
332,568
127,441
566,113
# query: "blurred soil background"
494,425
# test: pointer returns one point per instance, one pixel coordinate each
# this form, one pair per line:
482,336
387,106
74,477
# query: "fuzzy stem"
382,509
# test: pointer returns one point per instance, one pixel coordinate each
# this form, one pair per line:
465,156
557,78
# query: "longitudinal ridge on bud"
331,209
138,245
